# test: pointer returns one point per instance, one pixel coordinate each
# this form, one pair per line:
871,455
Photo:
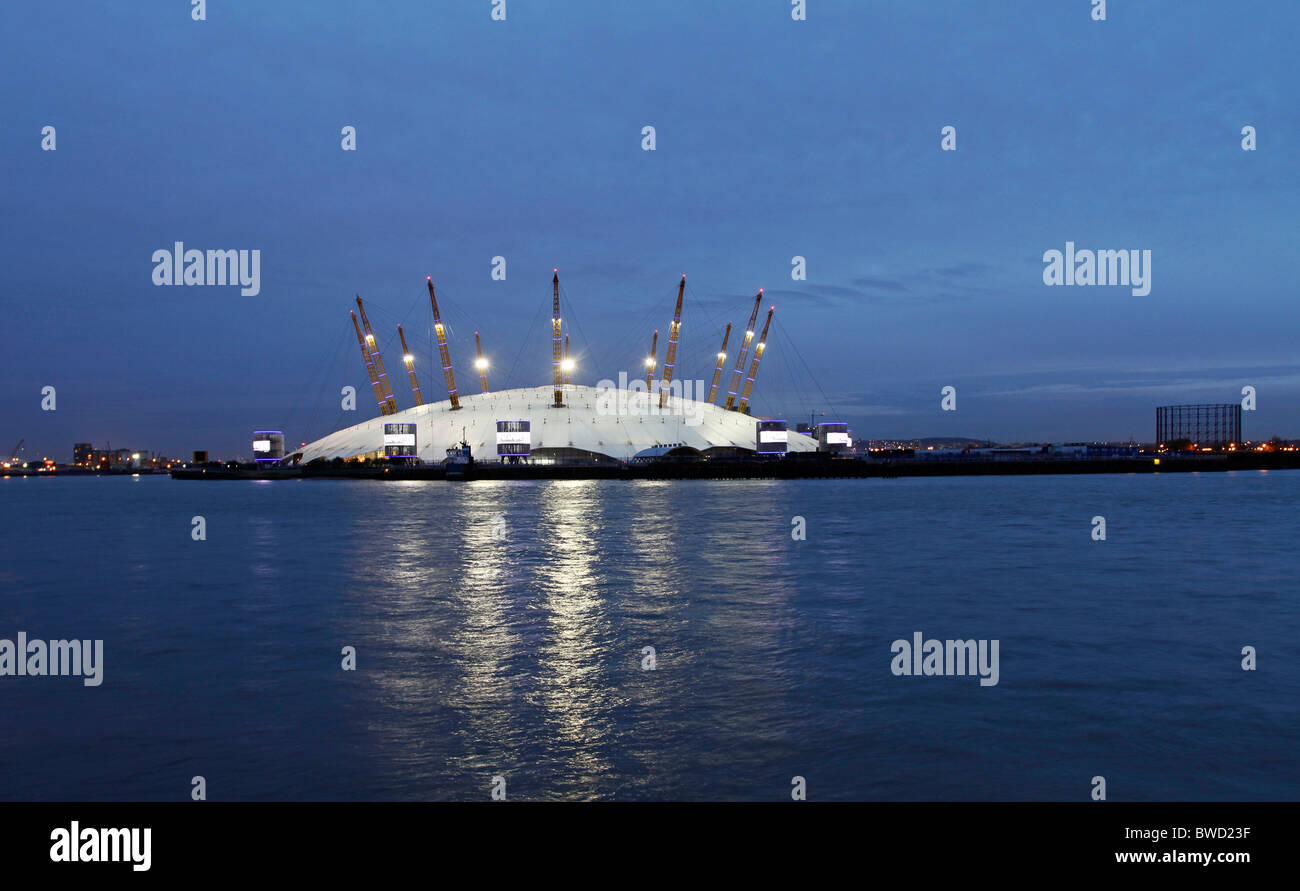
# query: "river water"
500,630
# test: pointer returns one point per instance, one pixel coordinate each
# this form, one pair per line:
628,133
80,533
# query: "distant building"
1200,425
112,459
86,456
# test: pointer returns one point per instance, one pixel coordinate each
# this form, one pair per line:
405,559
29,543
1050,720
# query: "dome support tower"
744,353
384,389
717,371
410,367
753,367
674,331
557,372
442,350
650,365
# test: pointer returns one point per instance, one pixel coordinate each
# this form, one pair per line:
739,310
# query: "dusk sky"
775,138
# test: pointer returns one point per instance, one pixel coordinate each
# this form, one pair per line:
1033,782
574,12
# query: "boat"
459,461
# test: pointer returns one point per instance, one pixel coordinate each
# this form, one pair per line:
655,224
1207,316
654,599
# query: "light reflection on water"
575,651
482,651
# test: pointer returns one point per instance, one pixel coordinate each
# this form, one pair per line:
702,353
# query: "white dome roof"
588,421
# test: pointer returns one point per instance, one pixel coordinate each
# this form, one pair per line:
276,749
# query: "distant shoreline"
788,468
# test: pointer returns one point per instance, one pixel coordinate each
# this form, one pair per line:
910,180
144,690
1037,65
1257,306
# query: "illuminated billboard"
399,441
833,436
268,445
772,437
514,439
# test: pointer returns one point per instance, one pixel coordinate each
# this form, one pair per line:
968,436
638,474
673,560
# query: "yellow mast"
674,330
722,357
480,363
370,367
410,367
753,368
650,364
744,352
442,349
385,388
557,373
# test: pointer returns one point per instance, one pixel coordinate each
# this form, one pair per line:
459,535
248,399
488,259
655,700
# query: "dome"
604,422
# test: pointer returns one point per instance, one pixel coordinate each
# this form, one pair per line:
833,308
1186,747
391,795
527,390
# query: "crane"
442,350
744,352
753,367
722,357
480,363
385,388
410,367
674,330
370,368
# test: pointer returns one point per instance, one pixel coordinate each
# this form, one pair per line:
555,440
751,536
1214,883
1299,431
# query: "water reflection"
576,642
405,619
505,623
486,644
264,552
